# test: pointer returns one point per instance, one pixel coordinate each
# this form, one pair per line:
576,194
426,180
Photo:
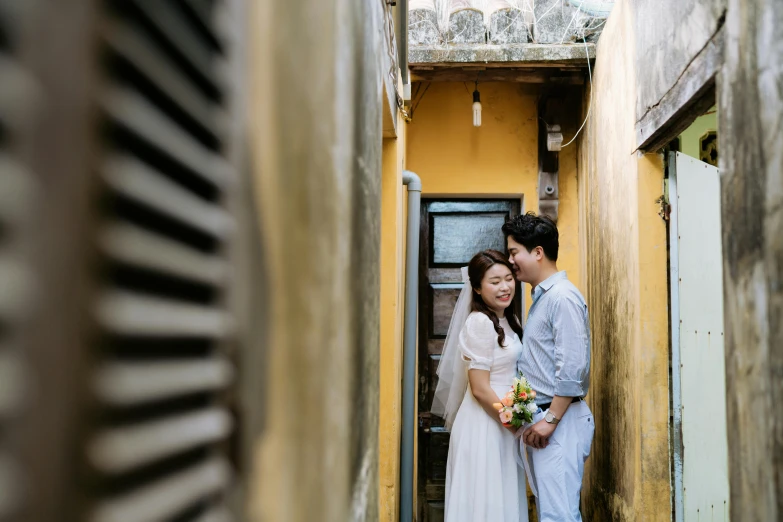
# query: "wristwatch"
550,418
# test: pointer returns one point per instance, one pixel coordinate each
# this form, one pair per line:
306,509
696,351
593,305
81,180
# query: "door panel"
701,451
452,232
443,297
456,237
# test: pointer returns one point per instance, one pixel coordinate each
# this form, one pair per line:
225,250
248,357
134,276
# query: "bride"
478,364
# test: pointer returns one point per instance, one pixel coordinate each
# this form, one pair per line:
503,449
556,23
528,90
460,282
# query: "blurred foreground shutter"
159,447
18,194
119,139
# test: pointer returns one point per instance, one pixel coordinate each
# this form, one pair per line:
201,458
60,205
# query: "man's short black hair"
531,231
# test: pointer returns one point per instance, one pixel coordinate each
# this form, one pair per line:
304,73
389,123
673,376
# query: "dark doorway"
452,231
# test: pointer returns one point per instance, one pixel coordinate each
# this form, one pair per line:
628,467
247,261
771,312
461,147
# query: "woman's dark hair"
531,231
477,267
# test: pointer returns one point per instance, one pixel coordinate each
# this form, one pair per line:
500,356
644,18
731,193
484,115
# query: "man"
556,362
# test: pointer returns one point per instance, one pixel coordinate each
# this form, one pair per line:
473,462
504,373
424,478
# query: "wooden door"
451,233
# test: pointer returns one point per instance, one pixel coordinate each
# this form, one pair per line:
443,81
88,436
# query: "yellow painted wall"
392,308
500,158
624,251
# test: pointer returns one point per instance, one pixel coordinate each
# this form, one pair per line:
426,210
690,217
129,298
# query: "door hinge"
665,209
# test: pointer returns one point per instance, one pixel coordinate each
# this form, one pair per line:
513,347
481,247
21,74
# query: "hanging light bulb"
476,108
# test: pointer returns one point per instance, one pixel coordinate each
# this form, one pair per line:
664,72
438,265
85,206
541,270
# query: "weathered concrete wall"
625,259
668,35
316,98
751,162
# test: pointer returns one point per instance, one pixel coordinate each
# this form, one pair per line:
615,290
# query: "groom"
556,362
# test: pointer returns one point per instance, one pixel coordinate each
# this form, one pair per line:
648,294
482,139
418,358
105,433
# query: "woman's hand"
512,429
484,394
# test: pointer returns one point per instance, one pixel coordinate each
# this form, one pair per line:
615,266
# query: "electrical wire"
415,102
590,106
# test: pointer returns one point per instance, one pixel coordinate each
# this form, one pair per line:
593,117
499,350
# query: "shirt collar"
547,283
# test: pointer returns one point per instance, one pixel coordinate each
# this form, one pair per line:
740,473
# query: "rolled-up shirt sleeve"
572,346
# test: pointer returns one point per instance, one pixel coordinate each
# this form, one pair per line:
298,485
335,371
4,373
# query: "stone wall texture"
668,35
316,142
750,101
623,246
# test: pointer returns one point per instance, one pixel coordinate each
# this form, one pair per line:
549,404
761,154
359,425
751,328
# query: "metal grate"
157,447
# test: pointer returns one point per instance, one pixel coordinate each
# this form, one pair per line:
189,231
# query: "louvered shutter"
17,196
162,373
117,218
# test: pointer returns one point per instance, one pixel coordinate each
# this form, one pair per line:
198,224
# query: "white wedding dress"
483,481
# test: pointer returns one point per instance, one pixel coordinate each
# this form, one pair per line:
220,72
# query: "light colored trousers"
558,469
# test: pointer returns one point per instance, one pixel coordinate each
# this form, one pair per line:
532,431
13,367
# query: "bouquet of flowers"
517,407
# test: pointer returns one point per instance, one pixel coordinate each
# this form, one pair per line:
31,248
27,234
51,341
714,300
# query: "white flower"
532,407
518,408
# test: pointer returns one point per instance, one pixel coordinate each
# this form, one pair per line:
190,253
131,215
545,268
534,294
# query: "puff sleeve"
477,342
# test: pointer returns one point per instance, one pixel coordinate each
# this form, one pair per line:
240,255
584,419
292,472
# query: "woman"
478,364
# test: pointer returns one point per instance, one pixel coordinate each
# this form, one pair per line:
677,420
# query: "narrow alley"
248,247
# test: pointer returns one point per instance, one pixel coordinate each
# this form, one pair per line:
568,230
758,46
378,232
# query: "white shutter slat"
126,313
132,245
132,383
137,114
123,449
167,496
159,69
138,181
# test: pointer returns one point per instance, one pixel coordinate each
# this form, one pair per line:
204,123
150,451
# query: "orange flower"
497,406
532,394
507,401
523,396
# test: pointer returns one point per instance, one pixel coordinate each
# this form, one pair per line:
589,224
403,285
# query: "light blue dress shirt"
556,345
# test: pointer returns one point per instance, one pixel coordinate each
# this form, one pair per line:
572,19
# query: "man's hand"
537,436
